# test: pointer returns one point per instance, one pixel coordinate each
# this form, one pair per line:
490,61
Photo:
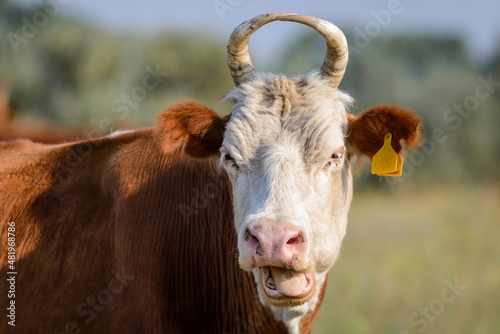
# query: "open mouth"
287,284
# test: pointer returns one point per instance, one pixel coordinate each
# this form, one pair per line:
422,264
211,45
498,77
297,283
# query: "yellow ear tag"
386,162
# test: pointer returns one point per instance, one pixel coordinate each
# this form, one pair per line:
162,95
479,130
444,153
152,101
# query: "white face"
284,151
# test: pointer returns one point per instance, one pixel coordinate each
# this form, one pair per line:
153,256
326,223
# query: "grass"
403,250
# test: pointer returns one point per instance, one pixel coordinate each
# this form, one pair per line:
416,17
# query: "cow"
201,224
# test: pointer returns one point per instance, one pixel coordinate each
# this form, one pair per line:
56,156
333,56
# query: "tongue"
289,282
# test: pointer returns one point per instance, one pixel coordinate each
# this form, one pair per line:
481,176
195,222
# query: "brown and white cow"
201,224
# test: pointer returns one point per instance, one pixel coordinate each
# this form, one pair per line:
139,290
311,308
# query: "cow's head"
287,148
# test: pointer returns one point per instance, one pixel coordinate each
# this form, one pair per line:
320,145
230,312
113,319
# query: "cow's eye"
336,158
229,161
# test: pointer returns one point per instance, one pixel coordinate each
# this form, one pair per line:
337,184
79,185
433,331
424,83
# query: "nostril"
295,240
252,239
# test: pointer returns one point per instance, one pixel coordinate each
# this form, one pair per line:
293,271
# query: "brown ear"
366,132
193,124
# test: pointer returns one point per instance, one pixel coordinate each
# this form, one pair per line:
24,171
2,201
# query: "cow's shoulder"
16,153
60,169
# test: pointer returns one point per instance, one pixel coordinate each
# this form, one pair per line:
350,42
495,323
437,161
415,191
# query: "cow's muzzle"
279,250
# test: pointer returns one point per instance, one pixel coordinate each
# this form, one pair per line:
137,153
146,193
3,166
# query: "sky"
477,22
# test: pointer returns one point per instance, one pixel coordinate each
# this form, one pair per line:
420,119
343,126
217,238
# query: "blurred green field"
400,249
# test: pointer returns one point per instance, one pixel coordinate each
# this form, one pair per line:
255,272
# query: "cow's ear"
367,131
193,125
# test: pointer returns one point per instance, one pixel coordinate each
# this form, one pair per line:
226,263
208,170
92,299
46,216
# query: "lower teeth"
271,286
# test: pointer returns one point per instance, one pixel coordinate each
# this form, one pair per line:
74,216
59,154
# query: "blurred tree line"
70,73
74,74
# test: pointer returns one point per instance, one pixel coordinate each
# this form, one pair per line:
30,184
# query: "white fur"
117,133
281,133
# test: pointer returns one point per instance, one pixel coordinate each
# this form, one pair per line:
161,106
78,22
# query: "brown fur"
307,322
132,207
366,132
195,125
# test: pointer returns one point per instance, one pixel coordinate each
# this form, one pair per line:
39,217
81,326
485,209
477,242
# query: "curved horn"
336,58
239,61
238,58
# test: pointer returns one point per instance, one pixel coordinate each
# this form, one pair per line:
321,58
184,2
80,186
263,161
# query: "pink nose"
275,244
